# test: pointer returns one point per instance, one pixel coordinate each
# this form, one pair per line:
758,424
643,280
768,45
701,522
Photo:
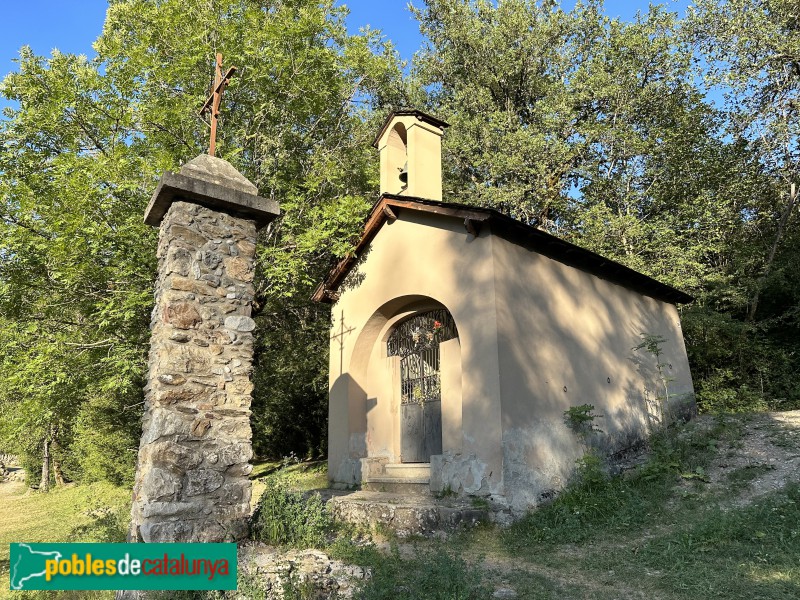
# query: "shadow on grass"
107,525
435,572
660,538
745,553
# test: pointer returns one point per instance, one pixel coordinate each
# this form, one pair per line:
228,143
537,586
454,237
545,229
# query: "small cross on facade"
340,336
212,102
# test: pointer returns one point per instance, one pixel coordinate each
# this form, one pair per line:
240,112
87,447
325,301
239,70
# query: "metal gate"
416,341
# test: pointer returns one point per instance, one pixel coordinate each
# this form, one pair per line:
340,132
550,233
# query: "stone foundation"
407,515
191,482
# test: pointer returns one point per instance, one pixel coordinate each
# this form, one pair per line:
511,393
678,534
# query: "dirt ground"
770,447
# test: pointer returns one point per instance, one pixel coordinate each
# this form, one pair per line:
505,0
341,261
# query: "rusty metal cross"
213,101
340,336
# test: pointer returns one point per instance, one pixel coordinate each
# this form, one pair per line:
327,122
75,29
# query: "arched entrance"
416,341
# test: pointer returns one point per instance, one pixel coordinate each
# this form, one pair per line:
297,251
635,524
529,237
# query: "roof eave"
509,229
425,117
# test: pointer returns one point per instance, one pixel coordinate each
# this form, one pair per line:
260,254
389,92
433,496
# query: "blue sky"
72,26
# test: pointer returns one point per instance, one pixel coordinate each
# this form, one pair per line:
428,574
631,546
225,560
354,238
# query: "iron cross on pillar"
213,101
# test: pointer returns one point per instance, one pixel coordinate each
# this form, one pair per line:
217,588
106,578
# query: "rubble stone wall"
191,481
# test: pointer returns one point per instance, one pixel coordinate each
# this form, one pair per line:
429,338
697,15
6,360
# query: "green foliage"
665,413
591,128
288,518
81,150
739,366
598,131
742,553
290,399
300,590
652,344
580,419
749,50
590,471
479,502
99,512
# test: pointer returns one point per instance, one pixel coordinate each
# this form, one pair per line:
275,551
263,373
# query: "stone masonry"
191,481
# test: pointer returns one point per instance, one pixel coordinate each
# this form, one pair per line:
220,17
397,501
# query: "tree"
599,131
573,122
752,49
81,155
751,54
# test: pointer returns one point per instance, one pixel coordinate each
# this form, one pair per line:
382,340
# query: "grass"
90,513
300,476
661,531
747,553
654,533
285,517
99,513
618,505
740,478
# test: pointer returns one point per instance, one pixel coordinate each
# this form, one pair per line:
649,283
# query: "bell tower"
410,148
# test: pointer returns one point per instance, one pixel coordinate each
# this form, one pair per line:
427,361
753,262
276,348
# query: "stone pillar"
191,478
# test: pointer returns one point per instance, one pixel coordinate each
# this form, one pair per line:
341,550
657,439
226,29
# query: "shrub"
287,518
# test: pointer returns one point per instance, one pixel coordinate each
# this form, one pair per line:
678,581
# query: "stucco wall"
566,338
413,261
535,338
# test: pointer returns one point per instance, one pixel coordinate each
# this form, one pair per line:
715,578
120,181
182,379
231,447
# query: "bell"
404,174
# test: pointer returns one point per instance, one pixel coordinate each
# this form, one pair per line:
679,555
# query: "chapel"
460,337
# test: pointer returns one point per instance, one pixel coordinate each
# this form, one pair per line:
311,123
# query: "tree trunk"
58,475
773,251
44,485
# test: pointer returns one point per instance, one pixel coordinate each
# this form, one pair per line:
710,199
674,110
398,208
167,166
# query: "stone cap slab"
213,183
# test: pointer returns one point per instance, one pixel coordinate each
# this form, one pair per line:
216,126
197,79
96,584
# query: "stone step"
404,514
398,485
409,470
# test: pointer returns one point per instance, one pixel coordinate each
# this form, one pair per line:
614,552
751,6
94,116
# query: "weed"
595,504
447,492
659,410
479,502
346,549
289,518
435,573
580,419
294,589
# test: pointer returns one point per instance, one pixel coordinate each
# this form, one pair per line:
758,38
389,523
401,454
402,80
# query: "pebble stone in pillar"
191,481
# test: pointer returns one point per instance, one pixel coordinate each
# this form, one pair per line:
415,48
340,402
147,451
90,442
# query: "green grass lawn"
90,513
99,513
666,530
